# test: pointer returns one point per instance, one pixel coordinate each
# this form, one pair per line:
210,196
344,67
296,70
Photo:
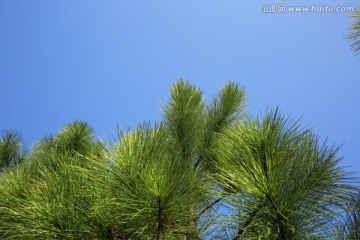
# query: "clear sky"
109,62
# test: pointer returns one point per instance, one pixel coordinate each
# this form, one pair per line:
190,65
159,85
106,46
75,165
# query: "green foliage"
183,117
350,228
150,189
52,205
225,110
354,34
205,172
47,198
76,137
283,183
10,149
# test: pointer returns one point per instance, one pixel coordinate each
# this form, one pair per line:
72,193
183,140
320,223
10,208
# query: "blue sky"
109,62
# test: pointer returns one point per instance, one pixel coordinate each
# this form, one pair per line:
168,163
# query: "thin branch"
211,205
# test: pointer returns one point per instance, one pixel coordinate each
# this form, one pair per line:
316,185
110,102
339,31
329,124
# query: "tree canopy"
206,171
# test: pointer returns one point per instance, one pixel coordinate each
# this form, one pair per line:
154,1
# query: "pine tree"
206,171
